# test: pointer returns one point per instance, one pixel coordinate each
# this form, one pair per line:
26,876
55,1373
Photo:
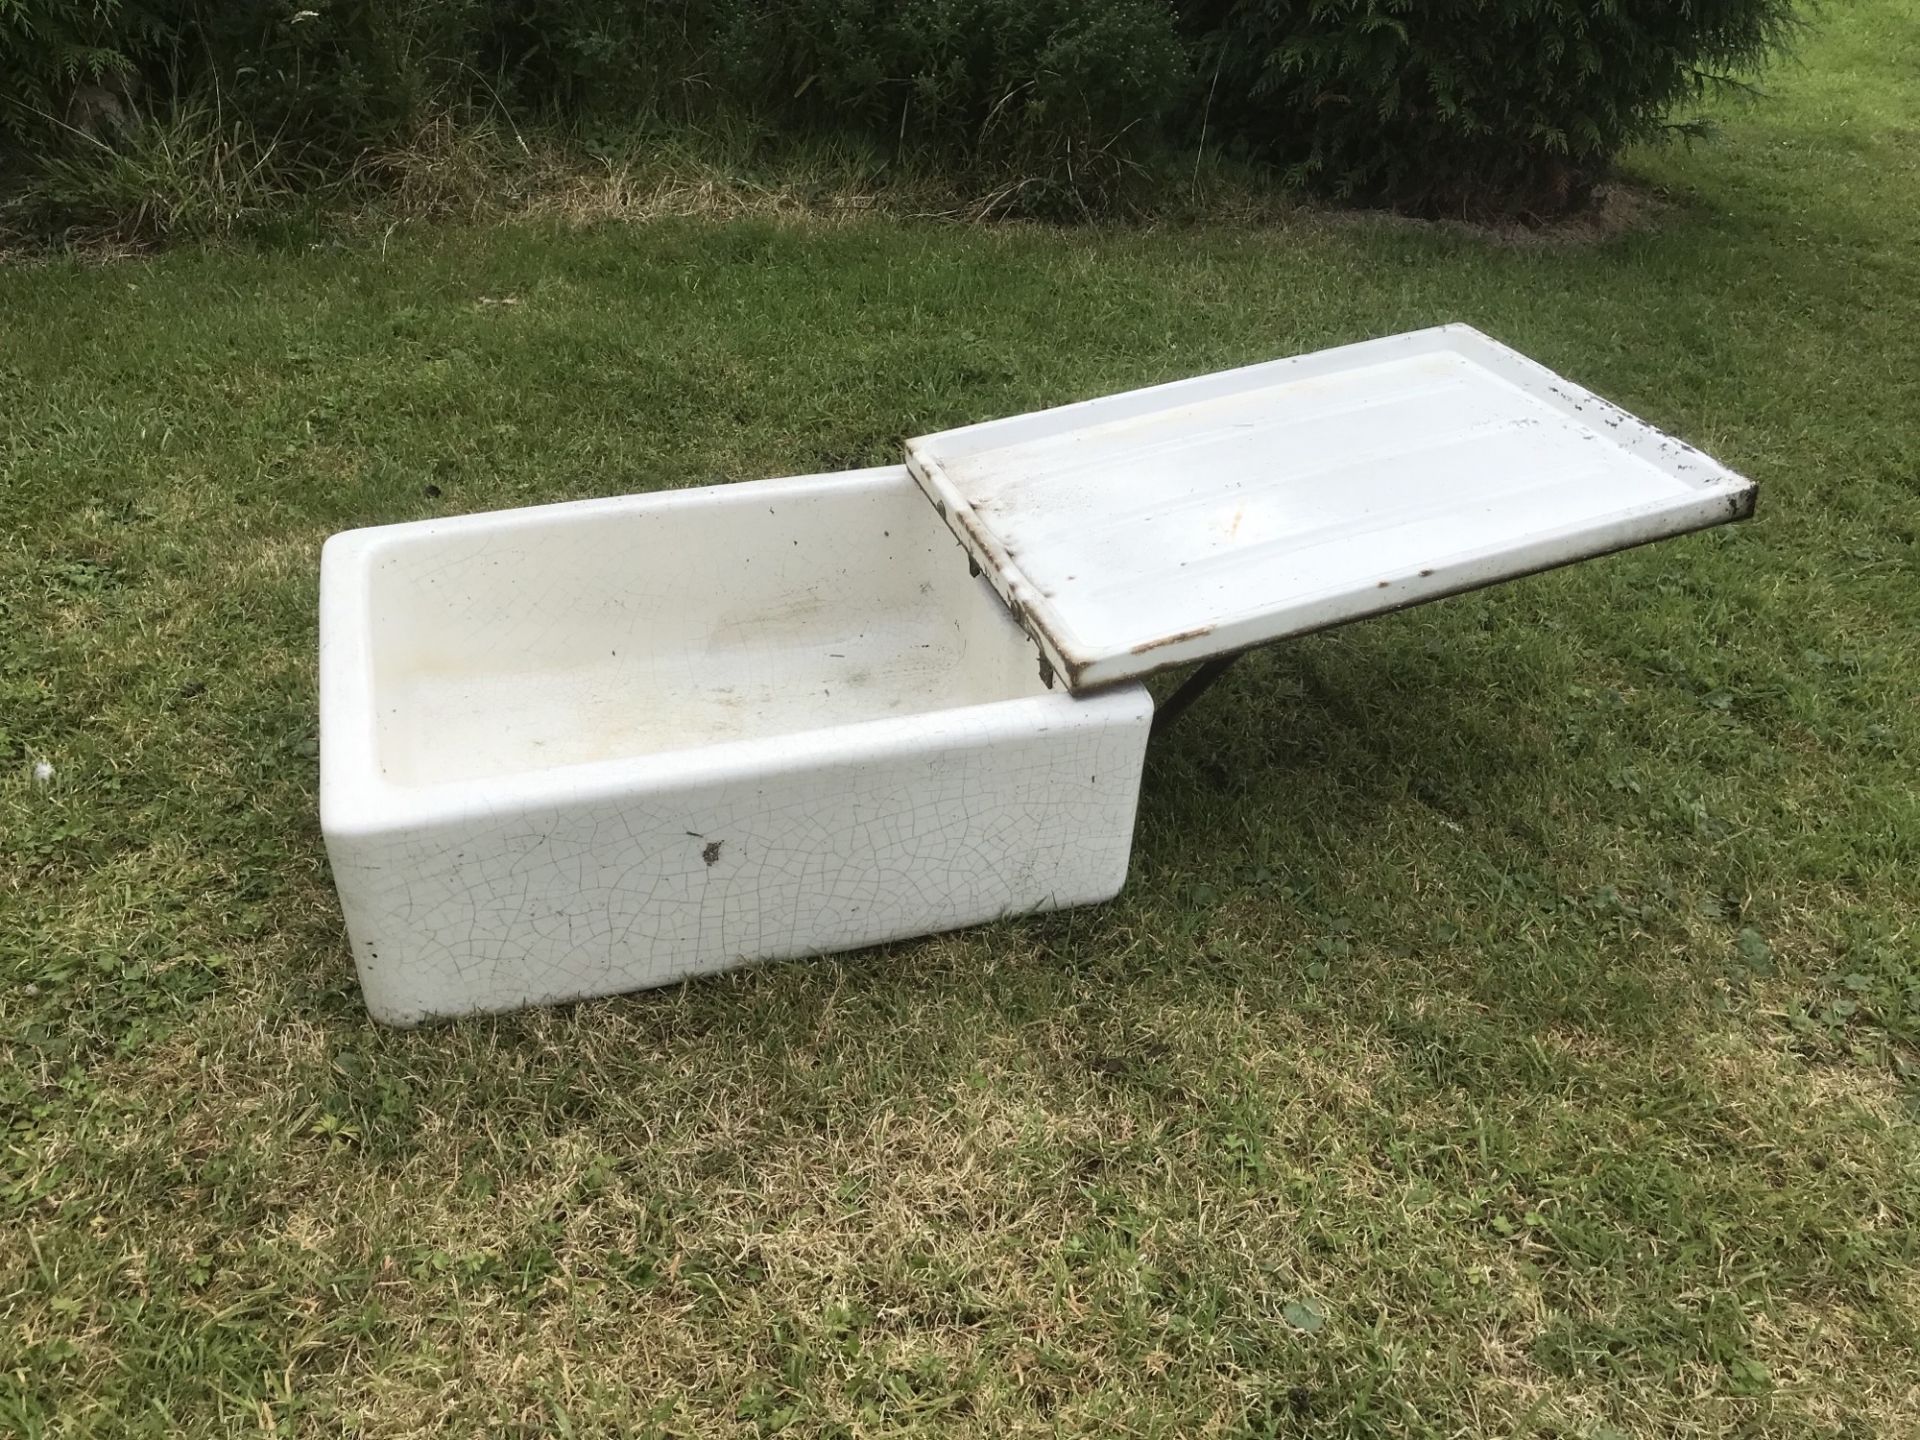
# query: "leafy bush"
327,77
1444,105
1042,97
49,49
645,58
1051,97
319,78
1047,105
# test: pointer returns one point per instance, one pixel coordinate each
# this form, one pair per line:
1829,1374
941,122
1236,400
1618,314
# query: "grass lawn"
1512,1024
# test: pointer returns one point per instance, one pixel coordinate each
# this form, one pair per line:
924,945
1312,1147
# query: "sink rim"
357,798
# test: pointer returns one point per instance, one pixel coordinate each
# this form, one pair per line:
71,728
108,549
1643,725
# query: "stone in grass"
1755,952
1303,1315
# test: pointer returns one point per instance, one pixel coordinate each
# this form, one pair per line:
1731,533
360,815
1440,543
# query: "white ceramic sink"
587,748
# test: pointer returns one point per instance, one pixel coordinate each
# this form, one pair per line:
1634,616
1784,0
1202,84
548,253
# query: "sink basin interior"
525,640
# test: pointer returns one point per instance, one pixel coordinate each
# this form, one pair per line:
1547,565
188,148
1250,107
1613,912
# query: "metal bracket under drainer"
1203,679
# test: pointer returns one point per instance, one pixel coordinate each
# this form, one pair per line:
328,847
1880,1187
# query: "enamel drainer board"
1193,520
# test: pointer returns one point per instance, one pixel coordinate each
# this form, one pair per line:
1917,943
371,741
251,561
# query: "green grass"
1512,1024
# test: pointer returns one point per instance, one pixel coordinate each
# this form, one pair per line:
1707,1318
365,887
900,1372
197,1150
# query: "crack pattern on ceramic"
588,748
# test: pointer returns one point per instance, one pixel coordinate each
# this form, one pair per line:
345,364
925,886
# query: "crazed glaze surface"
583,749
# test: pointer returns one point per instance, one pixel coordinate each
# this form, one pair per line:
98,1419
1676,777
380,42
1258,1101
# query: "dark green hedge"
1451,104
1430,105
